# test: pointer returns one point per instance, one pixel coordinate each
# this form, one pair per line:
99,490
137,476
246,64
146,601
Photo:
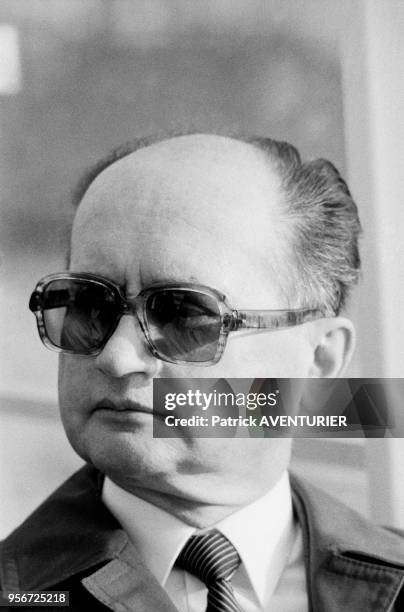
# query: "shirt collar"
262,532
157,535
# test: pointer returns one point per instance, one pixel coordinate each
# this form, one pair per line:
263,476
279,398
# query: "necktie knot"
210,557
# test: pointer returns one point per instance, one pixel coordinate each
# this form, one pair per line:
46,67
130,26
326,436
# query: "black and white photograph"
202,202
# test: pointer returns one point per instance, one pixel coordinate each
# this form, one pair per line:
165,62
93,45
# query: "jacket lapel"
125,583
71,532
351,565
74,530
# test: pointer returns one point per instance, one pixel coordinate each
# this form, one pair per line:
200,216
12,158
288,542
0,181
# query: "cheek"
73,388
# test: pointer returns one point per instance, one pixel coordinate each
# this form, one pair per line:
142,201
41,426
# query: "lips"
124,405
121,406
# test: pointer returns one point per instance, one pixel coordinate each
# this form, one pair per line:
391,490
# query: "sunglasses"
182,323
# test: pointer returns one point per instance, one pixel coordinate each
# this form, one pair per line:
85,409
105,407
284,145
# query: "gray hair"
323,223
324,227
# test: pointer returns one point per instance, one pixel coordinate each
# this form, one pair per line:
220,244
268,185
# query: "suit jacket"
73,543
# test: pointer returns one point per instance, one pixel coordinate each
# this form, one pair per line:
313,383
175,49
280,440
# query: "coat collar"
350,563
72,528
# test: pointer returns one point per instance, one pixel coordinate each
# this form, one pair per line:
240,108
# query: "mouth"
122,407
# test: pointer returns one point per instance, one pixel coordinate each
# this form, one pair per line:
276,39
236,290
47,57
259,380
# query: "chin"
133,461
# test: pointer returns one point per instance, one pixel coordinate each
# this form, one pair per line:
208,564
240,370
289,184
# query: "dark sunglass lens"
78,315
184,325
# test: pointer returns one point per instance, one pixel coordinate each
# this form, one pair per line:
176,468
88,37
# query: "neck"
195,514
200,513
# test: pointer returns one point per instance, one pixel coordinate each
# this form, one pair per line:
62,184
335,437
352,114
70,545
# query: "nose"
127,352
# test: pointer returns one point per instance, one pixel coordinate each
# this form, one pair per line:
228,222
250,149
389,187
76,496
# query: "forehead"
194,208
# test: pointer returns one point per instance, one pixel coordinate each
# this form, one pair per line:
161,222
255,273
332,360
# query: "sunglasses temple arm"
274,319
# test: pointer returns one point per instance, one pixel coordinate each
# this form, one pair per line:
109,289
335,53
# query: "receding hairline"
195,148
203,141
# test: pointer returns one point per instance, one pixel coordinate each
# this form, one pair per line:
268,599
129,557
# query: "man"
214,216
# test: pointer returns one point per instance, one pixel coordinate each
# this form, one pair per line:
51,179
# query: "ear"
333,342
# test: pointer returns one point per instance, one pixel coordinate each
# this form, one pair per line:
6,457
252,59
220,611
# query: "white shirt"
268,540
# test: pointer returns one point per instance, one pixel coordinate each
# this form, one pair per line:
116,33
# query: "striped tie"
213,559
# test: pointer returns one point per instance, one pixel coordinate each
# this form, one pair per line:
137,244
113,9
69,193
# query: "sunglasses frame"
231,319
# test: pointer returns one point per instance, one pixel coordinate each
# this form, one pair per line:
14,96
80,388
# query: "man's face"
197,209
